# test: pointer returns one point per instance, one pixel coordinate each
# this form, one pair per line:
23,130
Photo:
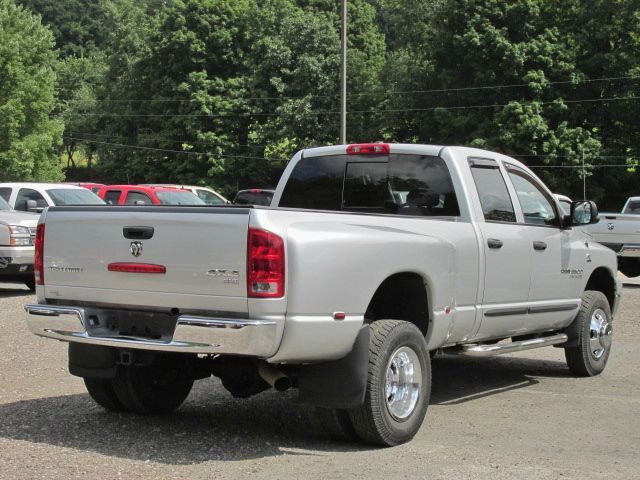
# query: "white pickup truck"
621,233
370,258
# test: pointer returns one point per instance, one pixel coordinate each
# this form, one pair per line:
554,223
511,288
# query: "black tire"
589,357
31,284
337,424
374,421
103,394
151,390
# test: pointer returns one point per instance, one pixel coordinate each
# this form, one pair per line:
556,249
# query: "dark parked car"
254,196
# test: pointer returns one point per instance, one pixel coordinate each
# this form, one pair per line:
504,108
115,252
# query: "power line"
73,135
366,94
166,150
328,112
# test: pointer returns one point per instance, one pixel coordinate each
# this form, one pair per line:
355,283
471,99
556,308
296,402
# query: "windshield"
178,198
68,196
4,205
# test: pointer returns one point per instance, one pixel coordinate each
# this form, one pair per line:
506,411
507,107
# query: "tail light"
368,149
38,261
265,264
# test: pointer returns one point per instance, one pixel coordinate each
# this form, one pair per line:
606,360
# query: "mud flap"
338,384
92,361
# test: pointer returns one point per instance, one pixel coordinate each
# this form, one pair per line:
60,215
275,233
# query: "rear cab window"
395,184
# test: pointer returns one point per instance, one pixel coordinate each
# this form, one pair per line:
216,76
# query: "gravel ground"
515,416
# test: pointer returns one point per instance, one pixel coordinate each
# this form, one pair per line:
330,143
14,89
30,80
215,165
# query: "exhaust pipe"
274,377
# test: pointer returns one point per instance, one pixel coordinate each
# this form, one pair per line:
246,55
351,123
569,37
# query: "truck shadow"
212,425
459,380
18,291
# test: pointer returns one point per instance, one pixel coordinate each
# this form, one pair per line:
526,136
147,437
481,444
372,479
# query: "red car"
146,195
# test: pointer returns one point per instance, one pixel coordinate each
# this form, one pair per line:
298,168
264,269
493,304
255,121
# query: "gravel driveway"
514,416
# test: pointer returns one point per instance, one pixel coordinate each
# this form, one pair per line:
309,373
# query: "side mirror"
32,206
582,213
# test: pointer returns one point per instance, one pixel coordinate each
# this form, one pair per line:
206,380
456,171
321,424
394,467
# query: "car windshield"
178,198
74,196
4,205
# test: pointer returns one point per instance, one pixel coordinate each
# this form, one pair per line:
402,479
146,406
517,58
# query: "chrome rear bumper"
192,334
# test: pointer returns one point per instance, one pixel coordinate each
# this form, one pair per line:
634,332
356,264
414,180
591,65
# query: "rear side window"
5,193
401,184
492,190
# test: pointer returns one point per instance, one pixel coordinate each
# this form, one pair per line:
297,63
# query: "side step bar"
474,350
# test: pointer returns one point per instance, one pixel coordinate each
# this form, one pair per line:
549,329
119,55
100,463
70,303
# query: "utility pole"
584,179
343,77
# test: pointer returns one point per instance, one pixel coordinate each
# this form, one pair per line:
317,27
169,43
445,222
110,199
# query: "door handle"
539,246
494,243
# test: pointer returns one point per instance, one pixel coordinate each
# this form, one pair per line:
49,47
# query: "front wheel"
595,334
398,384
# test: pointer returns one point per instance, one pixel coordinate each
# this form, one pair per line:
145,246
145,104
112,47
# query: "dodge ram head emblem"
610,226
136,249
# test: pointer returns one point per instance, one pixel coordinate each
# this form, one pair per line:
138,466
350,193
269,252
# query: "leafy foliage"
27,80
223,92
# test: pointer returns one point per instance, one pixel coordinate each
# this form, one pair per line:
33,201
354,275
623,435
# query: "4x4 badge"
136,249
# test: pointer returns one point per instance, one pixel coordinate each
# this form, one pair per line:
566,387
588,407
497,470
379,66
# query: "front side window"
25,194
492,191
5,192
401,184
112,197
537,205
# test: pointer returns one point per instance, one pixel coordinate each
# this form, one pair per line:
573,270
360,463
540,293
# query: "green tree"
27,80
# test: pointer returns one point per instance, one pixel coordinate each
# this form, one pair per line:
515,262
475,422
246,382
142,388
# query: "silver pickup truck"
370,259
621,233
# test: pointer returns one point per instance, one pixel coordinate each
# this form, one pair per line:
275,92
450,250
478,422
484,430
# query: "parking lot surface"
515,416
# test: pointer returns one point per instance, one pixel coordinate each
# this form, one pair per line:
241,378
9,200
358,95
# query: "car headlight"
19,236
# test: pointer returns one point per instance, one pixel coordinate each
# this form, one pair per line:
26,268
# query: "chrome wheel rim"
600,334
403,383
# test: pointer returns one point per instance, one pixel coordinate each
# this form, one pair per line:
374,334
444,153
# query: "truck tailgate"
616,228
203,250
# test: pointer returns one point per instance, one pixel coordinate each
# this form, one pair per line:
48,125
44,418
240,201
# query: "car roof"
41,186
154,188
